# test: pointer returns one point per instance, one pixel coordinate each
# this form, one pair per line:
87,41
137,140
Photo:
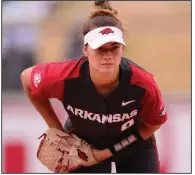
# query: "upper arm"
153,111
47,80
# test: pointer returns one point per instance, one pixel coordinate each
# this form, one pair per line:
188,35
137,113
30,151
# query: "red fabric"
152,103
15,158
52,76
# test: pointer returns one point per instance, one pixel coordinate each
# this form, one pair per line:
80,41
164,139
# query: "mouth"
107,64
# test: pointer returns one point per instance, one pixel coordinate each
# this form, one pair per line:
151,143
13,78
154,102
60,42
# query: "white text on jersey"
102,118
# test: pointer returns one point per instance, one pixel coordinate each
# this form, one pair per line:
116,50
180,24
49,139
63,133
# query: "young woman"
112,103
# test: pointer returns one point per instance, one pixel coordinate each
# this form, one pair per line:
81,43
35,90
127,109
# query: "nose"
107,55
107,58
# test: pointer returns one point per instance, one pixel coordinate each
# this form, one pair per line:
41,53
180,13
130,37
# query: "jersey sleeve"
47,80
153,110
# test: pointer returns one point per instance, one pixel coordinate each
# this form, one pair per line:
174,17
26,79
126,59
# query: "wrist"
56,126
126,140
101,155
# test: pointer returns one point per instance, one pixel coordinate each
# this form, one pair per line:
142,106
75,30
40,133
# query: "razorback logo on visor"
106,31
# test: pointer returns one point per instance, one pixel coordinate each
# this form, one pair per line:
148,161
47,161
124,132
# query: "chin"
107,70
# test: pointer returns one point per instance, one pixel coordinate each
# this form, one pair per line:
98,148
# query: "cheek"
94,59
118,60
118,54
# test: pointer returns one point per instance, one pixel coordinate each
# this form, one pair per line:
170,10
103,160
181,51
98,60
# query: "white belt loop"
113,167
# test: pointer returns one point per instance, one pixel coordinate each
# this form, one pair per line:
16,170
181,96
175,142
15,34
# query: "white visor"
102,35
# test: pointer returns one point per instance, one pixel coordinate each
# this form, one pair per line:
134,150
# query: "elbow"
22,75
25,78
152,127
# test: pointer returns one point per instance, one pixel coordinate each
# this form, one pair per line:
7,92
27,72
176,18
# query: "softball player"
112,103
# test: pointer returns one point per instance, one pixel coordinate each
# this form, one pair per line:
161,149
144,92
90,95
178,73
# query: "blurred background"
158,35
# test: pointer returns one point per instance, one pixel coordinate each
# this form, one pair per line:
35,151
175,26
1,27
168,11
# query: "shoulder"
152,111
60,70
49,77
139,76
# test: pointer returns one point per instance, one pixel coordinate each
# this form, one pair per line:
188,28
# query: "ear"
85,51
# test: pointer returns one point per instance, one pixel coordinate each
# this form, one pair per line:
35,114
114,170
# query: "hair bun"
100,3
105,5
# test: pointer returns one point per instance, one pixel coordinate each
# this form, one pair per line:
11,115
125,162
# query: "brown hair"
102,15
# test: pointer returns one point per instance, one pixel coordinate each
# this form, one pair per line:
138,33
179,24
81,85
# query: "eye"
115,47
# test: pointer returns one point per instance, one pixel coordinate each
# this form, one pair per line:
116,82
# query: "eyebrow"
102,47
114,43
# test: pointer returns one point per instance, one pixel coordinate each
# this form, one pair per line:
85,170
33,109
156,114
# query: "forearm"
143,130
44,107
